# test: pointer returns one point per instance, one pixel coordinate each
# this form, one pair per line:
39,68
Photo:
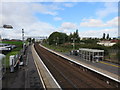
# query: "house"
108,42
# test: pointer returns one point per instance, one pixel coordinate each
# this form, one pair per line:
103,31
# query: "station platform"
25,77
105,65
101,68
32,79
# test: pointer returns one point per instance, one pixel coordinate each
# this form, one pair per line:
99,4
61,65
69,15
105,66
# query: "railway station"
93,55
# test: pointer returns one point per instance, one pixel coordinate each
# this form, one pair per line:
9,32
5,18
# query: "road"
67,74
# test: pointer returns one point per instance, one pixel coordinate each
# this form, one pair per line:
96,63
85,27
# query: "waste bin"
11,68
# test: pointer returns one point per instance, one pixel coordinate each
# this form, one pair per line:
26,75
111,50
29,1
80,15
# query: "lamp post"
7,26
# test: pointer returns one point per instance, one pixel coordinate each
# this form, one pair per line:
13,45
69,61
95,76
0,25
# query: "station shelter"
93,55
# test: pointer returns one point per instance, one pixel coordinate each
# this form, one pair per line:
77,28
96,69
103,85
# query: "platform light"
7,26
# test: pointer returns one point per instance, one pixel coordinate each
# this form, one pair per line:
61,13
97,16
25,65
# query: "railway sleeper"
101,77
97,75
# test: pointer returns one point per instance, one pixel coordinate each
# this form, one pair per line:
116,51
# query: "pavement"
25,77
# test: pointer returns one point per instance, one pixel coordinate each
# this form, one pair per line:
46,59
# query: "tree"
116,46
33,40
90,41
118,55
75,36
103,36
69,37
107,37
57,38
29,40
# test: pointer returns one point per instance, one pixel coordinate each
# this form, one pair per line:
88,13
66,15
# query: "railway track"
67,74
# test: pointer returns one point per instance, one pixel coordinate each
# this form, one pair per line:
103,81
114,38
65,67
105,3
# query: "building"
93,55
107,42
86,38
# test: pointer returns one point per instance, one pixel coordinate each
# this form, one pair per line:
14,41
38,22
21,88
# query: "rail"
106,77
40,71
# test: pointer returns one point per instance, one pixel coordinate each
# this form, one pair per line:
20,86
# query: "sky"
92,19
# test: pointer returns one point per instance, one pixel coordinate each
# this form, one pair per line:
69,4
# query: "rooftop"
91,50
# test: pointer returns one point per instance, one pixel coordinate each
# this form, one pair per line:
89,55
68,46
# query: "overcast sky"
92,19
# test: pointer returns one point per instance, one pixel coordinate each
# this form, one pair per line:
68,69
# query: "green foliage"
74,36
29,39
90,41
13,42
17,43
14,51
107,37
116,46
60,48
68,47
93,46
118,55
60,38
57,38
103,36
8,55
33,40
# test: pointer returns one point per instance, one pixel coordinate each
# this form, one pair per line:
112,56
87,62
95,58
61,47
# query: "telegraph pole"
23,38
73,42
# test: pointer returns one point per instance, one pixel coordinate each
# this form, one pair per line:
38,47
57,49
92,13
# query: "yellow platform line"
109,64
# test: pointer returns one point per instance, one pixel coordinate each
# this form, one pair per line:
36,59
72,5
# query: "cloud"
68,25
109,8
36,29
21,15
41,29
57,18
69,4
91,23
46,9
59,0
99,33
99,23
113,22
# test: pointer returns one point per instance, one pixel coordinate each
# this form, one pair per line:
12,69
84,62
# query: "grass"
13,42
14,51
67,48
58,48
8,55
113,58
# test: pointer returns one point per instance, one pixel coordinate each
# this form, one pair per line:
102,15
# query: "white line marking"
48,71
40,75
81,64
38,70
